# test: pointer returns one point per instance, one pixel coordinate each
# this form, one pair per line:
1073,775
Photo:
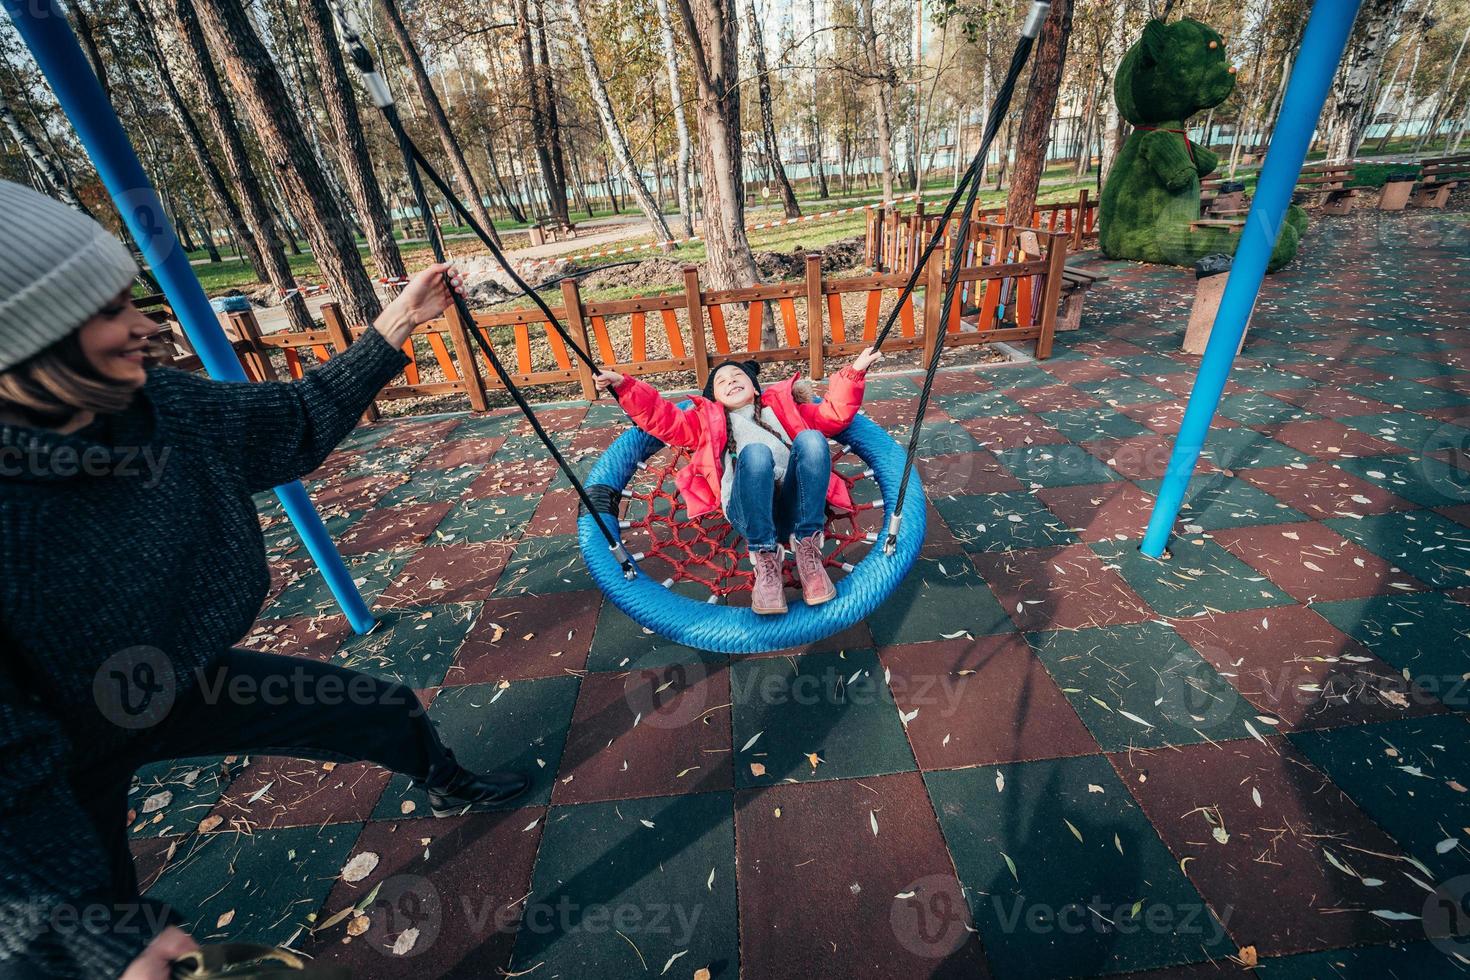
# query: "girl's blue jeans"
764,512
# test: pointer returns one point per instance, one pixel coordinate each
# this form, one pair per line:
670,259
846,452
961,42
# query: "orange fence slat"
411,370
870,315
640,336
441,354
1023,301
788,315
989,303
717,324
906,317
523,348
676,339
757,318
323,355
293,362
558,348
834,317
604,342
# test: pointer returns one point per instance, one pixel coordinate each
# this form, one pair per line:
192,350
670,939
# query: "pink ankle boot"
769,594
816,586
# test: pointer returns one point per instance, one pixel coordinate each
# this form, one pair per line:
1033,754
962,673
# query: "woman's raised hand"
607,380
867,359
425,297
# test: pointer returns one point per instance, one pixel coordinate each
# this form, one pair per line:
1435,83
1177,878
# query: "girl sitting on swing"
760,456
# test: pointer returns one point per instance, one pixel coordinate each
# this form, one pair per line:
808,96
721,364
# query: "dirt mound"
839,256
648,274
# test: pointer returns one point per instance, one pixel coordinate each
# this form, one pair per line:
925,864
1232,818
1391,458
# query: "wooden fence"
1010,283
895,240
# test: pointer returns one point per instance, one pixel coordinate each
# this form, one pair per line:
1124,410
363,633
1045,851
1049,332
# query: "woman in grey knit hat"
131,559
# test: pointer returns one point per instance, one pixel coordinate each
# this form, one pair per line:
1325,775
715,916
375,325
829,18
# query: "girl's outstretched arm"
844,396
650,411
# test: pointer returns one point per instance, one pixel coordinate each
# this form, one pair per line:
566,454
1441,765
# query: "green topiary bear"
1152,192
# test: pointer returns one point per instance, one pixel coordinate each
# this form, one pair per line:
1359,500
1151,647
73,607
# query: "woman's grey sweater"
137,531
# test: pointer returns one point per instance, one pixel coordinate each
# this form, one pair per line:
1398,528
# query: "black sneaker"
465,791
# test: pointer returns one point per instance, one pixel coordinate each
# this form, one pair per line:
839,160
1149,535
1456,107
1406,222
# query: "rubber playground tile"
545,565
414,647
475,452
277,791
818,716
445,898
1009,431
943,437
849,879
256,888
1141,685
1064,588
1100,510
1165,417
428,432
1002,521
309,595
1214,500
1070,371
1240,447
1394,961
1055,466
1330,402
392,528
1140,458
981,701
660,871
513,479
1460,513
520,638
1256,409
620,644
1322,490
1298,669
1312,563
432,486
305,636
172,797
1422,633
1329,439
654,732
1199,579
939,597
1064,875
356,494
488,518
394,459
1014,376
1122,391
965,473
495,424
516,726
1144,365
1084,424
1052,397
975,404
884,386
556,513
1408,775
1269,379
1403,393
528,448
1293,845
1423,480
1429,546
461,571
1411,430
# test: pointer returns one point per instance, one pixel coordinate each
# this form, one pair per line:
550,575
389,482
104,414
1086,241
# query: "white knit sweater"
744,431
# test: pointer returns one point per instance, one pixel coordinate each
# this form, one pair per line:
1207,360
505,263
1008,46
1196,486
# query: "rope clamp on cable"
894,523
1035,18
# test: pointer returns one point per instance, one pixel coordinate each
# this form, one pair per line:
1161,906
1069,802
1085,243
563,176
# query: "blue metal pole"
1322,45
46,32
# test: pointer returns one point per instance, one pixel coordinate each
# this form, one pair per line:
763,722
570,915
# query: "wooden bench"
1325,186
1231,224
1076,281
548,229
1438,176
1220,196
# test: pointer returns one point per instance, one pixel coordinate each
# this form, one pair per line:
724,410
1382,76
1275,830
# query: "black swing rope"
413,160
969,186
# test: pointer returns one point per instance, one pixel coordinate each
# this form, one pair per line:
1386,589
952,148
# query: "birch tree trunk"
1442,95
768,122
713,33
681,127
1041,97
1406,98
43,164
1345,121
351,147
613,131
544,77
253,75
556,193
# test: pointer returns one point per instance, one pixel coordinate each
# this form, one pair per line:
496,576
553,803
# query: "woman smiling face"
115,341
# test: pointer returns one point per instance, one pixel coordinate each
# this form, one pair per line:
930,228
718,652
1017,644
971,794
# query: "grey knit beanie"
58,267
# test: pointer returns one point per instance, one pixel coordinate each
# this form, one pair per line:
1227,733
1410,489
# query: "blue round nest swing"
710,625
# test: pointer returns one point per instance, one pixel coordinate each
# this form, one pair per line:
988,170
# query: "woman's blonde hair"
52,387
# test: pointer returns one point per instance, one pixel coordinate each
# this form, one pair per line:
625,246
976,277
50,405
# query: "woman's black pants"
273,705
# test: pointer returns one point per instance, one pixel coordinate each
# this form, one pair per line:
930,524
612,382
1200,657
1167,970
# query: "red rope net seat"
708,553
